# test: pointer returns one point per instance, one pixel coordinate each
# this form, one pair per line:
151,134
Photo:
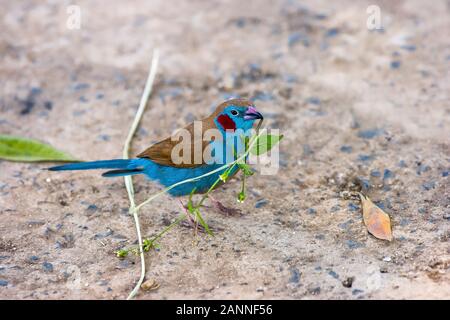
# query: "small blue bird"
230,119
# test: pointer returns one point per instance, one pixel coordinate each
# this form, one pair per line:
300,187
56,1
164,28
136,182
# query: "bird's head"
236,114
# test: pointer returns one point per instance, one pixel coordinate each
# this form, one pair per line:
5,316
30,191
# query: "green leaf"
241,197
246,169
264,143
202,222
122,253
27,150
224,176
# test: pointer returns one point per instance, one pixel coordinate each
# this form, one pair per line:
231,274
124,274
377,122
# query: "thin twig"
128,179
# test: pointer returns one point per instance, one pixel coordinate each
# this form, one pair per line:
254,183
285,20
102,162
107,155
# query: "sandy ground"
358,108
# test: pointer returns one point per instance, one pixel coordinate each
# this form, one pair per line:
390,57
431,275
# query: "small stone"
428,185
333,32
295,275
335,208
3,283
408,47
260,203
353,207
352,244
375,173
313,100
387,174
348,282
33,259
80,86
356,291
365,157
402,164
395,64
311,211
387,259
48,267
298,37
346,149
370,133
105,234
333,274
314,291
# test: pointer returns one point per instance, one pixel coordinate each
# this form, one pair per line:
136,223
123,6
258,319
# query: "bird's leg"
223,209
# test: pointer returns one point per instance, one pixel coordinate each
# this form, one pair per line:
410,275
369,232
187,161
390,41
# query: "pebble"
313,100
33,258
395,64
387,259
370,133
402,164
388,174
263,96
365,157
346,224
348,282
80,86
335,208
295,275
314,291
311,211
346,149
3,283
356,291
91,208
333,32
261,203
408,47
422,168
297,37
375,173
333,274
48,267
102,235
428,185
352,244
353,207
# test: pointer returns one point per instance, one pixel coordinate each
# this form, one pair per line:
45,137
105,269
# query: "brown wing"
161,152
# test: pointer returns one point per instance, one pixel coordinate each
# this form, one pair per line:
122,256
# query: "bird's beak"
252,114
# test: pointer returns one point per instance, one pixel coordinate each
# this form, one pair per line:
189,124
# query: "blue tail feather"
122,173
102,164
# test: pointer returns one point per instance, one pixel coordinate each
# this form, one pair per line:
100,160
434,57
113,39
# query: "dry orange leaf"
376,220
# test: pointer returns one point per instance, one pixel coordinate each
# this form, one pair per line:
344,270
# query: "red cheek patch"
226,122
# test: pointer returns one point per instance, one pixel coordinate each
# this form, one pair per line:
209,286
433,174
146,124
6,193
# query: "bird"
230,120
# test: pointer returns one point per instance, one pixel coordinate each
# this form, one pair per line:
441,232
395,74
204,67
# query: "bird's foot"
223,209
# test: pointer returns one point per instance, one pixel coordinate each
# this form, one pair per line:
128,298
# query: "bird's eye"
234,112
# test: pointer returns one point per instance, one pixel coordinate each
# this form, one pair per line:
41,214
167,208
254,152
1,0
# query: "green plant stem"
128,179
173,224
